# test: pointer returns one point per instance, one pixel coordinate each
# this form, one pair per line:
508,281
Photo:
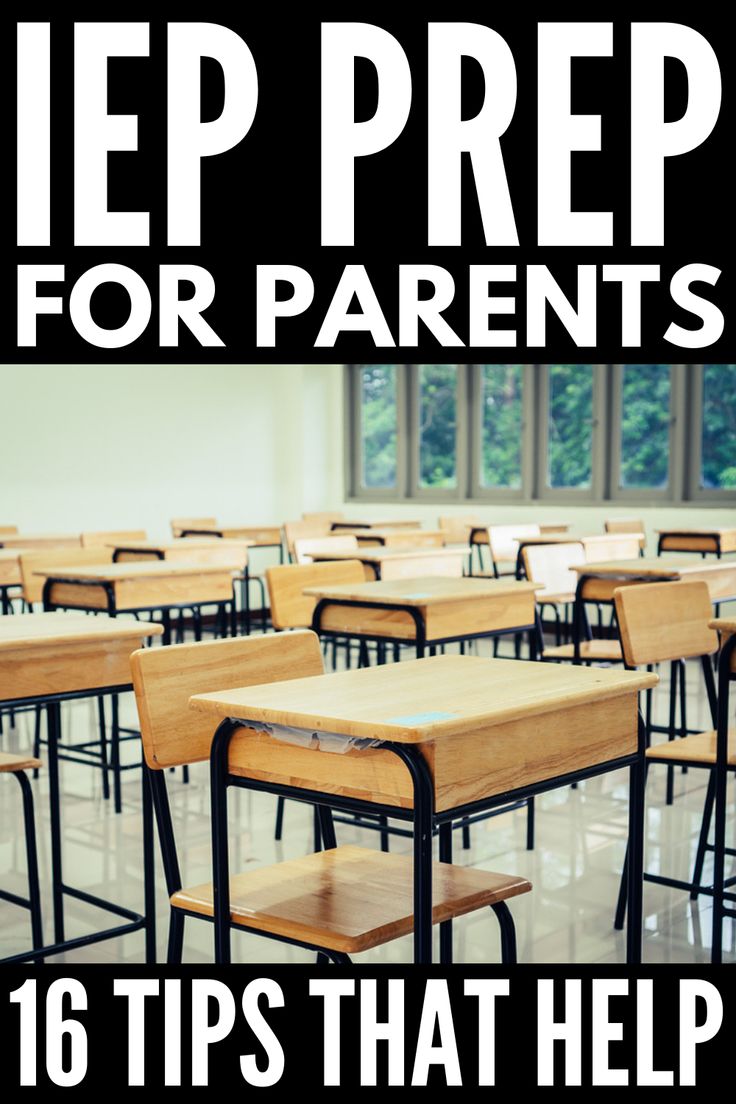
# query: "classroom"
372,663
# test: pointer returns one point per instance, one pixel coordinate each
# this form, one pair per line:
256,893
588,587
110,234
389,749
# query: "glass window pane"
645,426
718,461
437,425
570,427
502,386
378,424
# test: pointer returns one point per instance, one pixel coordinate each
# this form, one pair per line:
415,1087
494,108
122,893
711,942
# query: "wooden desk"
696,539
259,536
473,733
390,563
140,588
191,550
48,658
720,577
30,542
384,523
397,538
426,611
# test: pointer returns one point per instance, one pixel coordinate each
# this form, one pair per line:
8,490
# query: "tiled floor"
574,869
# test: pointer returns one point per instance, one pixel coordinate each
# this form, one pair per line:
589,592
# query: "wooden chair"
503,545
551,565
17,765
339,901
306,549
304,530
456,528
291,608
627,525
584,648
8,531
112,536
668,623
616,546
179,525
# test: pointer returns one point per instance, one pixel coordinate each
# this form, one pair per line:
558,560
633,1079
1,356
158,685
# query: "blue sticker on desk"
420,718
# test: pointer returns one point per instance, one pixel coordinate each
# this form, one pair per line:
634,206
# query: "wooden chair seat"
11,764
554,599
700,747
601,651
348,899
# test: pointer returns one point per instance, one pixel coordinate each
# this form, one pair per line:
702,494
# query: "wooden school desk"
719,577
259,536
458,735
479,537
140,588
392,563
49,658
426,611
696,539
31,542
10,577
191,550
397,538
383,523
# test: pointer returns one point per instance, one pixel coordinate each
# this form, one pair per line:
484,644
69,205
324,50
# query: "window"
501,425
437,406
378,425
553,432
570,426
718,422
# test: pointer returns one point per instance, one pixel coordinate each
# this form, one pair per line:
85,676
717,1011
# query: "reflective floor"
575,867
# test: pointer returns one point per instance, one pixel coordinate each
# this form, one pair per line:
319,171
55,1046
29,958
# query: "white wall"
110,447
130,446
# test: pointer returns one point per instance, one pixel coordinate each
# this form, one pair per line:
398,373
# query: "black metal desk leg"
446,926
220,856
53,720
635,863
423,822
149,883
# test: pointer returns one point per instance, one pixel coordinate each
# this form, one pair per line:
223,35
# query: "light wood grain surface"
10,764
661,623
28,630
425,699
190,550
10,567
423,590
349,898
396,563
30,541
720,575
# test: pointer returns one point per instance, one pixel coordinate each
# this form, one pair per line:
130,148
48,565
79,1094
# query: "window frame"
686,440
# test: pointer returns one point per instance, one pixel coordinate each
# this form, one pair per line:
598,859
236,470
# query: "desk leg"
149,884
220,855
446,927
635,863
423,818
53,720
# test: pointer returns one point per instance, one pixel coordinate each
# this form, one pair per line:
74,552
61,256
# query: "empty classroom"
373,663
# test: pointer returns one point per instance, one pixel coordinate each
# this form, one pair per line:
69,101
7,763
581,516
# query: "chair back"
112,536
504,540
612,547
304,530
660,622
179,525
306,550
551,565
31,562
291,608
165,679
456,529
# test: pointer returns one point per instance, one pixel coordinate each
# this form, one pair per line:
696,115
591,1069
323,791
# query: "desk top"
653,567
383,523
422,591
378,555
177,543
30,541
698,530
29,630
426,699
258,534
391,533
117,572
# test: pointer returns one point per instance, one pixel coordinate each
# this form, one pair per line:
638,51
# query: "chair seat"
543,597
11,764
700,747
348,899
604,651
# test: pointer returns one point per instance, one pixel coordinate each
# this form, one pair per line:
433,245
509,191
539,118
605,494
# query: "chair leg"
34,892
508,933
466,834
623,893
383,821
176,938
37,737
115,756
703,838
279,818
